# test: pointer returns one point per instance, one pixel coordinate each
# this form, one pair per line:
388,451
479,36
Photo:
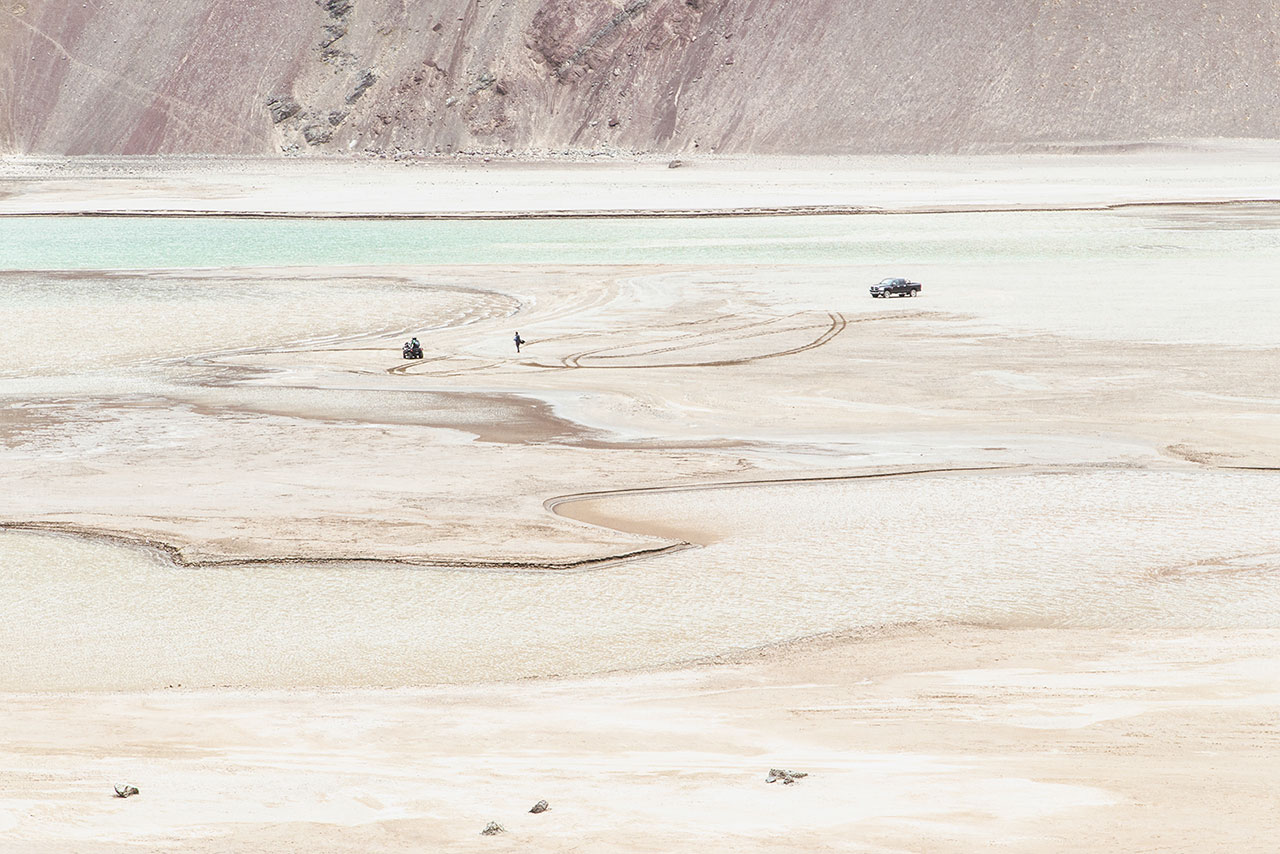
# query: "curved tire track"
837,324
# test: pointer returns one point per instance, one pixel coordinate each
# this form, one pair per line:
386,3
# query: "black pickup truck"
896,288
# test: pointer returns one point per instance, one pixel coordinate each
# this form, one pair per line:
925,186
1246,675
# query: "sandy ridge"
553,505
174,553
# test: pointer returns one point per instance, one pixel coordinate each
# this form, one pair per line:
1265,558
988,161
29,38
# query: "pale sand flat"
942,738
939,739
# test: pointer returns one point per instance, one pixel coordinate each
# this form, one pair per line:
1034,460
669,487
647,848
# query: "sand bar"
1211,171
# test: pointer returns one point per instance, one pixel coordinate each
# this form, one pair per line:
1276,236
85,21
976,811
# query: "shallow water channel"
148,242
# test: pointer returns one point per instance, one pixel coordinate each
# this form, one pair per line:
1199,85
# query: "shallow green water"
1187,275
87,243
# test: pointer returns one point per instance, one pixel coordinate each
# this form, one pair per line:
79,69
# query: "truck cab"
896,287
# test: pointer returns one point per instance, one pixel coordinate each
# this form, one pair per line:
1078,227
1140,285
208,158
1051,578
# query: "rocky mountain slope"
533,76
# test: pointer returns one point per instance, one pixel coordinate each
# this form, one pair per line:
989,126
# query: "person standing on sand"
519,341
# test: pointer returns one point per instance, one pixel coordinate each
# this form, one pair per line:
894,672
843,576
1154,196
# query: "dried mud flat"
992,571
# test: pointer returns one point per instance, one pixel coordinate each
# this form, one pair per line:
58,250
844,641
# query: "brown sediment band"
656,213
174,554
552,503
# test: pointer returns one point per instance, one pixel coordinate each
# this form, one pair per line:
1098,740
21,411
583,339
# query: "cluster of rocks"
626,13
367,78
317,125
331,33
282,107
312,118
539,154
493,828
315,134
337,9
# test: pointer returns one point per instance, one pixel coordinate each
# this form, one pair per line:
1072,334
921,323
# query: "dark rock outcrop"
367,79
317,134
336,8
331,34
282,107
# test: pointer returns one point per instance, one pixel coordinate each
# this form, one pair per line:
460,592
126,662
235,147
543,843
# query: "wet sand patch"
500,418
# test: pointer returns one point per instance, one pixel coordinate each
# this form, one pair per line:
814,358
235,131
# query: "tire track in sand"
837,324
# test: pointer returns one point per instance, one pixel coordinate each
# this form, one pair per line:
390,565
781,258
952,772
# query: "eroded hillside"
531,76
